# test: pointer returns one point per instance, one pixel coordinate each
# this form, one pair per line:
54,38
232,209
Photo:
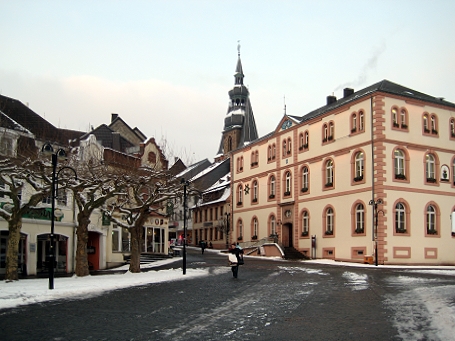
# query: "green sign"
42,213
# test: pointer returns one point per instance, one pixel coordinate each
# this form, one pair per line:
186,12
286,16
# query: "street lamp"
228,221
59,154
185,185
375,231
224,226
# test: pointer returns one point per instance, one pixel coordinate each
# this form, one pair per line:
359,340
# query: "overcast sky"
166,66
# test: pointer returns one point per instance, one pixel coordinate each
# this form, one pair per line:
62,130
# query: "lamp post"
185,185
375,231
228,218
59,154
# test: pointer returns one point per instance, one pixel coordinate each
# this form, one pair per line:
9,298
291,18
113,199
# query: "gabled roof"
193,169
177,167
109,138
210,175
38,126
119,125
382,86
9,123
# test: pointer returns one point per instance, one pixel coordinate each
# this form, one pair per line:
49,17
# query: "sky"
434,303
166,66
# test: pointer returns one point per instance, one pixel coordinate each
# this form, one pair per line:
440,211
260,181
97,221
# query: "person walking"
202,246
234,260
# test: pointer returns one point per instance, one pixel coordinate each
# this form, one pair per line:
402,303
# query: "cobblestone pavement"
271,300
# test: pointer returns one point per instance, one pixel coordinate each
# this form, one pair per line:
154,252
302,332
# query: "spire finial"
238,47
284,97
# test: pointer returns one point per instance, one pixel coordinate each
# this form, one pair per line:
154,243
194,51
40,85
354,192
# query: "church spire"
239,124
239,70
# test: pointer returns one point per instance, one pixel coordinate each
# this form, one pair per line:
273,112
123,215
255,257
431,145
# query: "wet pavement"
271,300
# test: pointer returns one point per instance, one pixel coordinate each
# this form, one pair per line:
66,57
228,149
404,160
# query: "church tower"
239,125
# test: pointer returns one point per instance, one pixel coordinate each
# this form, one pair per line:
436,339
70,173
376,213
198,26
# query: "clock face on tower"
286,124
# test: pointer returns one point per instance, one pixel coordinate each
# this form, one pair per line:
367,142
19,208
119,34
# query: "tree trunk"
136,239
14,227
82,268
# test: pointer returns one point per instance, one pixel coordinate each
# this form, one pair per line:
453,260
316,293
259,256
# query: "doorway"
43,253
154,240
93,251
286,235
21,260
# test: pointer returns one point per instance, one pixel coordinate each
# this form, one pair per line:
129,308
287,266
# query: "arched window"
399,166
325,133
255,191
287,185
272,187
452,128
329,173
403,120
430,168
269,153
307,140
273,151
331,131
305,179
301,141
254,232
354,123
361,121
453,172
305,223
431,220
272,227
434,124
359,219
400,218
240,195
240,229
359,164
229,144
426,127
395,117
289,146
329,221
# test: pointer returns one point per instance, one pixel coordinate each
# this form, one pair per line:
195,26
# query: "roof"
382,86
34,123
194,169
109,138
8,123
240,112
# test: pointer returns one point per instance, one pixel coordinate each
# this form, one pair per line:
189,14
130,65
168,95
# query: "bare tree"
25,184
95,185
147,193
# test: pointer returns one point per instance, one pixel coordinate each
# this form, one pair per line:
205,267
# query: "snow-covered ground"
435,303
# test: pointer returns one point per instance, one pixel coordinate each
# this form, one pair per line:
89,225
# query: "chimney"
331,99
116,141
113,117
347,92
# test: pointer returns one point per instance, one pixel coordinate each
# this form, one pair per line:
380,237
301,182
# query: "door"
287,235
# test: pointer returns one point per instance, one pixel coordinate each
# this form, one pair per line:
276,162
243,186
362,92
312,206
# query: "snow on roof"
16,125
207,170
190,168
223,198
223,182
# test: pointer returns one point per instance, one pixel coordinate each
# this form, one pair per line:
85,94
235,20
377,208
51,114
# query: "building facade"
368,175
